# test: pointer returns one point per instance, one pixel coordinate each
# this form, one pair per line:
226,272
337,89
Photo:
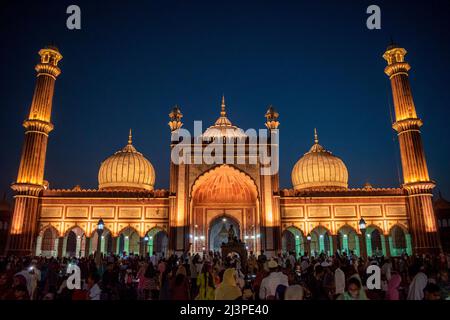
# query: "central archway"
223,192
218,231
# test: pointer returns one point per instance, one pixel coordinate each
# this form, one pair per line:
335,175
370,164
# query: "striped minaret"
417,182
30,179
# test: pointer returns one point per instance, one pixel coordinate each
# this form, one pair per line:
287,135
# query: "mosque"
318,213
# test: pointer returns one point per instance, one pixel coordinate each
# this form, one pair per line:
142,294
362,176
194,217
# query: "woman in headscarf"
205,283
393,285
355,290
228,289
179,287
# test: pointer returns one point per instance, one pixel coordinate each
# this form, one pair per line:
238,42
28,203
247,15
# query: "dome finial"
316,138
130,138
223,113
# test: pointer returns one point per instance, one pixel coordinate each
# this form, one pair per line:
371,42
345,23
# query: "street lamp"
362,227
100,226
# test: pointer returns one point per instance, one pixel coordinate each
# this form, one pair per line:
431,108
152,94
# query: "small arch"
399,240
158,241
106,245
128,241
293,240
348,240
47,242
375,241
321,241
79,231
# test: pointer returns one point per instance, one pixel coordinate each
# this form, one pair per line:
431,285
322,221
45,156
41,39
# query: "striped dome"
319,169
127,169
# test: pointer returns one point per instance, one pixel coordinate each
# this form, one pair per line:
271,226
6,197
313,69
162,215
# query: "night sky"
315,61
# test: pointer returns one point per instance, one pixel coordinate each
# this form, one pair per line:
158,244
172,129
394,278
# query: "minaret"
270,187
416,180
178,229
30,179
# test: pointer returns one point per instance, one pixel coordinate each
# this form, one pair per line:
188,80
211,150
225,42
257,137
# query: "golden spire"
223,113
130,138
316,137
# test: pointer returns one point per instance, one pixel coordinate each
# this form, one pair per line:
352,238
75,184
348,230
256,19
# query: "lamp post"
362,228
308,243
100,226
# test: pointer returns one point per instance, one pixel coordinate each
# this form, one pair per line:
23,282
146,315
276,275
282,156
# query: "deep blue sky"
315,61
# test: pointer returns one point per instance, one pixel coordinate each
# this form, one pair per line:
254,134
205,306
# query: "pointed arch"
224,183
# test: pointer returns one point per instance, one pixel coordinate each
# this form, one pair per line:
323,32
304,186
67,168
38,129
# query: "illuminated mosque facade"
319,213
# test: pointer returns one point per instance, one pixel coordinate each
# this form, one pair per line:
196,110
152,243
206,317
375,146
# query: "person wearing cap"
270,283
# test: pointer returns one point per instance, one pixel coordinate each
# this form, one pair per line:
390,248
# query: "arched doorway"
47,242
348,240
74,242
292,240
321,241
224,192
375,241
218,231
106,244
399,241
158,242
128,242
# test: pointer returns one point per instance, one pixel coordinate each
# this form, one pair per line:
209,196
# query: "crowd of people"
209,276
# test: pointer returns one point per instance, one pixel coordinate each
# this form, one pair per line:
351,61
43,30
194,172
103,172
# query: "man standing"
417,285
339,280
270,283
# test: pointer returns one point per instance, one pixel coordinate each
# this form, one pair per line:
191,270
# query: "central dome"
319,169
127,169
223,127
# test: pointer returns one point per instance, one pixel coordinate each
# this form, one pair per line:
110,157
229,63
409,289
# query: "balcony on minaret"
50,56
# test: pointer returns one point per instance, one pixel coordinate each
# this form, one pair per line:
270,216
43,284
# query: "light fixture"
246,237
100,224
308,237
191,236
146,238
258,235
224,219
345,236
362,224
202,237
297,237
151,237
321,235
253,237
126,237
195,238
